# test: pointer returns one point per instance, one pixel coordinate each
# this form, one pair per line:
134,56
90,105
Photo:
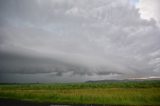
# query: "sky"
78,40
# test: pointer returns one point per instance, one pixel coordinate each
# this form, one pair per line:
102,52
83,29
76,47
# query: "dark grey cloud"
59,40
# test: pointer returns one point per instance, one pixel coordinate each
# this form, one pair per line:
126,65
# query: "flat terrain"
112,93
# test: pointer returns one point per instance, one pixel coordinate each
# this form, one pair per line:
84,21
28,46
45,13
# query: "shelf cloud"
76,40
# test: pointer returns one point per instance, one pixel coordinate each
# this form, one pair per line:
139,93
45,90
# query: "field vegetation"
116,93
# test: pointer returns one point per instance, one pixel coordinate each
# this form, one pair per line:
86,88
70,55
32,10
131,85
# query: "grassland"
119,93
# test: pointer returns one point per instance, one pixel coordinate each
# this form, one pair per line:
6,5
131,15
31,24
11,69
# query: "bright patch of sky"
134,2
149,10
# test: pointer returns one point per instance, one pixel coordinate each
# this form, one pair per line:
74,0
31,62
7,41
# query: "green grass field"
119,93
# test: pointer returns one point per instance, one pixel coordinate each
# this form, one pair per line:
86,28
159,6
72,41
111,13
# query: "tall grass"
125,93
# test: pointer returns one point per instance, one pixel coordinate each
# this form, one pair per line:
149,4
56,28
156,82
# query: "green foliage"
125,93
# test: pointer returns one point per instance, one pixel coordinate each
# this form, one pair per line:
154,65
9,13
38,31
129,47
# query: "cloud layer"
76,40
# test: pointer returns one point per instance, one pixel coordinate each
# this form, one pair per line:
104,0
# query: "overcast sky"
79,40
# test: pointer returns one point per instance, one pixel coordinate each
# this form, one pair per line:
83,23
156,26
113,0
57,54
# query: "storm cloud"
77,40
